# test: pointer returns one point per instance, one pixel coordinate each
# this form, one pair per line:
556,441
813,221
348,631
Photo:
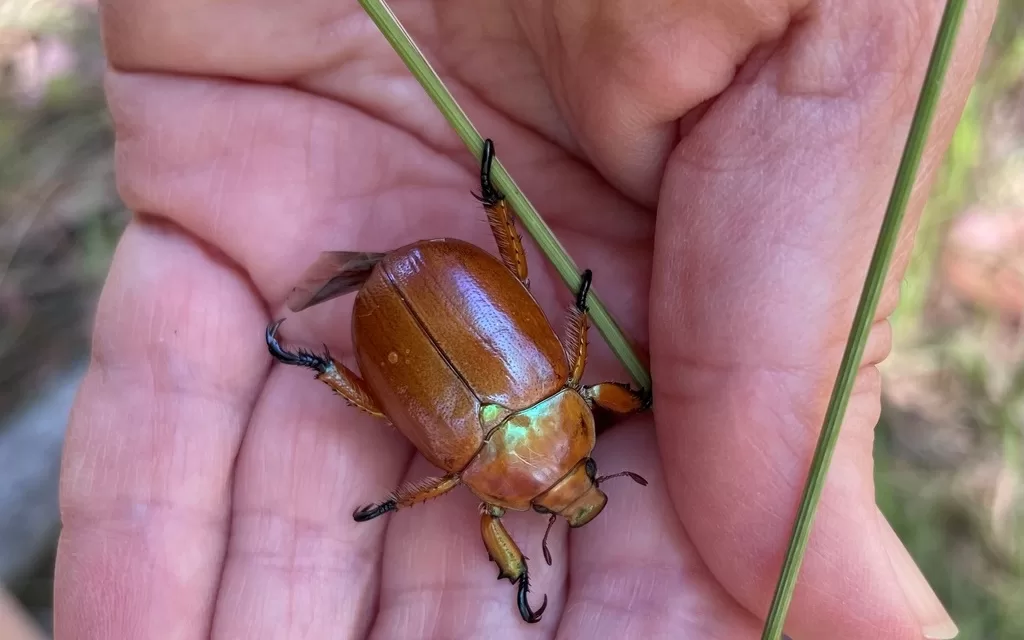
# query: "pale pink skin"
208,493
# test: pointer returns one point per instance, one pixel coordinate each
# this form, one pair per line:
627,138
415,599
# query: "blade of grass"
863,319
413,58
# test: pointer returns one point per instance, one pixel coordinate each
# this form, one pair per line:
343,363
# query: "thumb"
768,216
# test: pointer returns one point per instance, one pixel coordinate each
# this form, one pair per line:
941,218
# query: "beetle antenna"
635,476
544,542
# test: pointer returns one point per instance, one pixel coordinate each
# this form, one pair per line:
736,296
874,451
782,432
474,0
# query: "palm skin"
728,236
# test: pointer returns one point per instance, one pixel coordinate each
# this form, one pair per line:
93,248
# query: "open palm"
721,167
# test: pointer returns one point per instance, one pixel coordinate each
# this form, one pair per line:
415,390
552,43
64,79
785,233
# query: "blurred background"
949,449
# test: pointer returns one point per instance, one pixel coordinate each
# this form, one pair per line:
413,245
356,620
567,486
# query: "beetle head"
589,502
586,507
577,496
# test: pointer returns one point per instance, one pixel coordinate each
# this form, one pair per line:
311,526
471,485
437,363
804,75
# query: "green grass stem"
863,319
527,215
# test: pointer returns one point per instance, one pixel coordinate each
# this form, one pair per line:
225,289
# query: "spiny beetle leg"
501,220
408,495
502,549
618,398
334,374
576,331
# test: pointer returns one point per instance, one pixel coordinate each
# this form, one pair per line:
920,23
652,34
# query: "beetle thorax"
532,450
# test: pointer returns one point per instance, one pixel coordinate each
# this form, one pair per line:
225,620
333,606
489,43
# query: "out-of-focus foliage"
60,218
948,451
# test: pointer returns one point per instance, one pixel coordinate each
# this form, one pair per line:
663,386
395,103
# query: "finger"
439,583
297,564
156,35
771,208
633,571
296,559
623,78
145,483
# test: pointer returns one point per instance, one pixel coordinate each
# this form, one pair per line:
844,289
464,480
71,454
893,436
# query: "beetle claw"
648,399
301,359
372,511
489,196
581,297
524,605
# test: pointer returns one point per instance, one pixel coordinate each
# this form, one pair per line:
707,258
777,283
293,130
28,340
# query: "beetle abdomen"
482,318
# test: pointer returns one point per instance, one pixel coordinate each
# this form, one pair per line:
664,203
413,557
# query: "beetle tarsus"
300,358
647,399
524,605
374,510
489,195
581,296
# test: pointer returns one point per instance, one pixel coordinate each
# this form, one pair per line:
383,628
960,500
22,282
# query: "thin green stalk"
863,319
403,44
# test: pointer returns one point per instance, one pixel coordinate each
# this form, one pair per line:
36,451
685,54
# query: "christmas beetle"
456,353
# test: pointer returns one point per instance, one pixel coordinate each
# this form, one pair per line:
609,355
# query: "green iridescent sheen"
529,422
491,413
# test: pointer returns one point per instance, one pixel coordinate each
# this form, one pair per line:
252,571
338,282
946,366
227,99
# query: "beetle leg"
334,374
576,331
407,495
617,397
611,396
502,550
500,217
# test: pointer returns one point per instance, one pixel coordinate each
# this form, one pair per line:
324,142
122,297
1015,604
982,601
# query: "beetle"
457,354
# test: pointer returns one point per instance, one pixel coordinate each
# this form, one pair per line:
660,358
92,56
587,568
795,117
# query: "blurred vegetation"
60,218
59,212
948,449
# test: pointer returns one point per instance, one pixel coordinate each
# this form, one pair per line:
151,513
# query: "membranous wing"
333,274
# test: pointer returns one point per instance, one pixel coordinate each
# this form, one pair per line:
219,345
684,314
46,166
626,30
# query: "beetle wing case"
333,274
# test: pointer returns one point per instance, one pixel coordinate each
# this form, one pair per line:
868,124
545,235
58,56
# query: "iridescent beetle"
457,354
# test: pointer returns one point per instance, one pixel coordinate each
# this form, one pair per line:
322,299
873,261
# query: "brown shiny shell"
441,328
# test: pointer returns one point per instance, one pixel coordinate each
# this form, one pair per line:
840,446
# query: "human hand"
728,218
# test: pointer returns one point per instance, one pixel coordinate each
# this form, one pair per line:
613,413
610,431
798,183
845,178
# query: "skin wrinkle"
363,103
491,95
142,524
290,539
180,384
